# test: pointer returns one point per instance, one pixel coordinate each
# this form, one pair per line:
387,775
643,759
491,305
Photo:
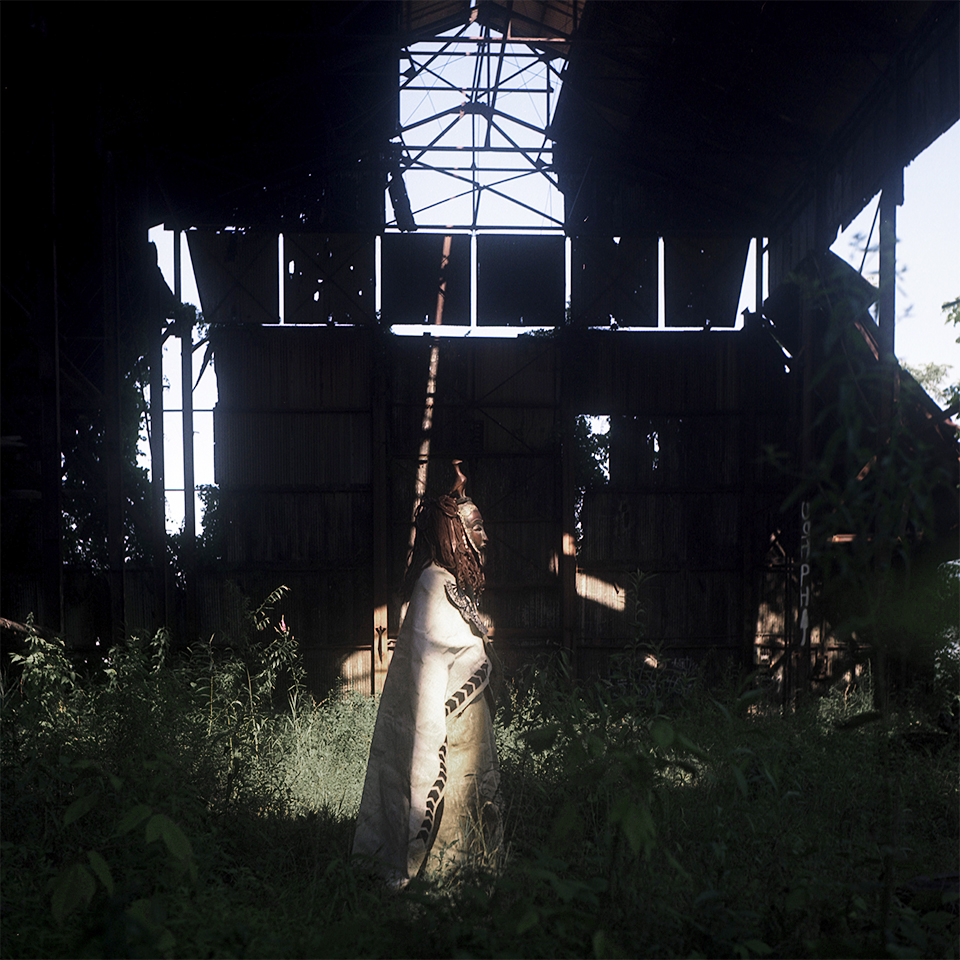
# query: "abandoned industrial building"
651,463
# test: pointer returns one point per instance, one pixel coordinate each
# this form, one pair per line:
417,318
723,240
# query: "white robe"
439,669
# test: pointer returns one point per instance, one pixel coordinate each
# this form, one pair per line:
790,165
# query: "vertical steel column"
381,512
567,560
186,388
890,198
112,452
51,583
157,469
749,452
809,358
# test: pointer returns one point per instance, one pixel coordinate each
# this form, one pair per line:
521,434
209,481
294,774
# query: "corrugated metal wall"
310,418
688,502
293,459
497,409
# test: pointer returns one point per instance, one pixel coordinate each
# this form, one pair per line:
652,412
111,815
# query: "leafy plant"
178,806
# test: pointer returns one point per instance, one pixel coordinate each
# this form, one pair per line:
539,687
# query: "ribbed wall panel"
296,458
283,368
304,528
271,449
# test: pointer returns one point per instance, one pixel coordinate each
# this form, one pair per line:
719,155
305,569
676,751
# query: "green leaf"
101,869
147,914
662,733
741,780
636,822
72,887
134,817
81,806
541,738
530,919
859,720
160,826
154,824
690,746
565,820
758,947
796,899
722,709
603,946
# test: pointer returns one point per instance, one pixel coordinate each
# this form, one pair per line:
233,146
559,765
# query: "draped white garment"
439,667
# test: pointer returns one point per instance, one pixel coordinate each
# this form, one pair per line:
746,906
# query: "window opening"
473,156
591,436
473,149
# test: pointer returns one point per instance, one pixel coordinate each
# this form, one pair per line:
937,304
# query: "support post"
567,560
890,199
795,667
188,557
51,593
381,517
111,458
749,452
157,470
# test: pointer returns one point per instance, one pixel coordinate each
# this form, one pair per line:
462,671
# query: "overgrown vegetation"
936,378
203,805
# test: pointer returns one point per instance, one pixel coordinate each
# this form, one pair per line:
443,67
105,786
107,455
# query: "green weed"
202,804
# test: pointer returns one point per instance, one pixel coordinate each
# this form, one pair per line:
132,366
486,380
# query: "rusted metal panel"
790,245
524,607
519,490
237,275
521,552
518,430
709,612
603,608
476,373
329,278
455,431
693,609
536,19
913,104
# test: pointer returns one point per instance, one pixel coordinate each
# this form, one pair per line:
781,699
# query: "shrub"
183,807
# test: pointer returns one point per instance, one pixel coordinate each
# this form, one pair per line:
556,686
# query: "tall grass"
202,805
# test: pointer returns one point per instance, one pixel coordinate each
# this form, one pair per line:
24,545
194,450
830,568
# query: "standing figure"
431,790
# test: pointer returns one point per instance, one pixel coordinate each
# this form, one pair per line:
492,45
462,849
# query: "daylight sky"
928,252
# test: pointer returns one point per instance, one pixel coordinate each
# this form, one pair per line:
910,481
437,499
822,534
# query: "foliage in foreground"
172,808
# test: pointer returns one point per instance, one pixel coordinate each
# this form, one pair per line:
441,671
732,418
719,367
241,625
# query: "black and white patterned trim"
434,797
463,696
469,690
467,607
